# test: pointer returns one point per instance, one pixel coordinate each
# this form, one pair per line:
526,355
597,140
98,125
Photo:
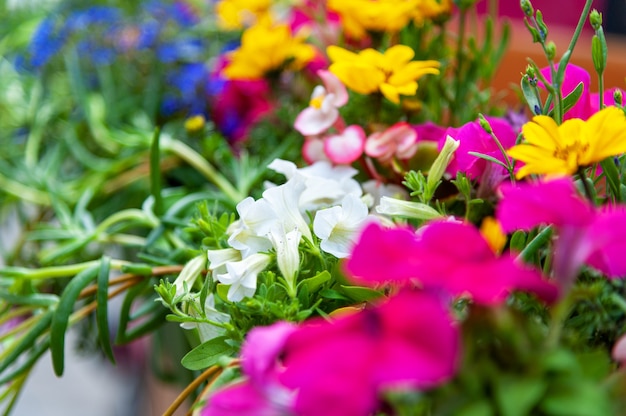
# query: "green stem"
56,271
583,178
205,168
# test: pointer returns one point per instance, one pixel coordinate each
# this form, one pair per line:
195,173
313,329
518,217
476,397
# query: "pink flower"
586,235
322,111
339,368
473,138
608,98
261,392
449,256
399,140
346,147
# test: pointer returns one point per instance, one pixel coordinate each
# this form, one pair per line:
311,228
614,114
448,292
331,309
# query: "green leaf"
575,397
536,244
361,294
518,241
207,354
489,158
102,299
222,291
315,282
35,299
62,314
517,396
27,340
573,97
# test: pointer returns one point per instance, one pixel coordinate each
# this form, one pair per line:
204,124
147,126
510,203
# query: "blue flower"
47,41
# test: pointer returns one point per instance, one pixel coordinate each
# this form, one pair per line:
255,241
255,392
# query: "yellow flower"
235,14
492,231
432,9
266,48
392,73
559,150
360,16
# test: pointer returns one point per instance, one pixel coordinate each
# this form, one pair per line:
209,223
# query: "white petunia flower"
283,199
337,226
189,274
287,254
219,258
242,275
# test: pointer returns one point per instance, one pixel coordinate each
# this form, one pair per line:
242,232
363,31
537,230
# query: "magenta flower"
339,368
586,235
473,138
449,256
261,392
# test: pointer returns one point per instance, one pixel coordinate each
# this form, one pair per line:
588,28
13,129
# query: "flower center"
576,150
316,102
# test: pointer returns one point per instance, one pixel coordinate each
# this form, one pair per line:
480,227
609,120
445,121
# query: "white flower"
441,163
287,254
242,275
283,200
219,258
189,274
337,226
409,209
255,220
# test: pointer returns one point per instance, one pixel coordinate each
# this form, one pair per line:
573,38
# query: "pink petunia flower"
322,111
586,235
574,75
467,267
399,140
261,392
339,368
473,138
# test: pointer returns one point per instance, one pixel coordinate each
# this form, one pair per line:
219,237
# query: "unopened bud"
550,50
527,8
484,124
441,163
543,29
617,97
595,18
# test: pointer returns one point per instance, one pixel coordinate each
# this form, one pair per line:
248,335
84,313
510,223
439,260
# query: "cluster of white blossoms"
319,204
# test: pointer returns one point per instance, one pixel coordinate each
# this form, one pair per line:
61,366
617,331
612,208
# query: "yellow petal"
606,132
412,71
543,132
337,54
398,55
390,92
360,78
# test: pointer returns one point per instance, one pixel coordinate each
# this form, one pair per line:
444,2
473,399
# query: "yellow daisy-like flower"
392,73
266,48
235,14
432,9
360,16
551,149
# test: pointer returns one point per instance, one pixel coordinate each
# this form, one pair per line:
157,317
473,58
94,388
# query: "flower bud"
441,163
527,8
550,50
595,18
484,124
617,97
407,209
543,29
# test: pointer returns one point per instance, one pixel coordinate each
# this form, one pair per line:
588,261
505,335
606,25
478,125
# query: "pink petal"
262,347
241,399
313,150
346,147
527,205
607,99
608,237
384,255
405,355
335,87
312,121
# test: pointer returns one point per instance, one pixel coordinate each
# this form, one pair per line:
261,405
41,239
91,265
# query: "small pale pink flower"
322,111
399,140
345,147
313,150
